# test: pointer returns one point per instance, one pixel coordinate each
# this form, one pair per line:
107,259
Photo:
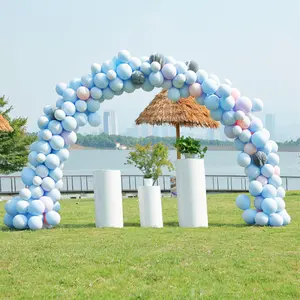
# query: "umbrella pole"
177,137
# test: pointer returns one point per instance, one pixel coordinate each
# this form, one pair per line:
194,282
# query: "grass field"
228,260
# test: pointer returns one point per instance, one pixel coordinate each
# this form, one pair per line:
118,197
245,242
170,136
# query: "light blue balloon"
55,195
43,122
42,171
11,206
108,65
244,159
239,115
280,204
8,220
228,130
124,71
59,114
147,86
280,192
181,67
201,76
276,220
209,86
81,119
52,218
56,207
107,93
60,87
156,79
101,80
223,91
245,136
258,139
227,103
173,94
87,81
211,102
269,191
94,119
69,108
167,84
191,77
59,102
27,175
75,84
36,192
43,147
69,95
257,105
238,144
243,202
116,84
170,60
95,68
81,105
249,216
93,105
200,100
146,68
35,223
135,63
215,78
273,159
216,114
178,81
267,148
62,154
57,142
255,188
274,146
55,127
255,125
252,171
267,170
32,158
36,207
128,86
276,181
229,118
45,135
257,202
69,123
124,56
169,71
261,219
286,217
25,194
20,222
56,174
52,161
184,91
96,93
48,184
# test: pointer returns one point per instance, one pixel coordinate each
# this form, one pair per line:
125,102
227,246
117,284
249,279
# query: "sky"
256,44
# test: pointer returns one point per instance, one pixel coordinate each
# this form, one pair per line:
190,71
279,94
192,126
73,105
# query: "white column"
150,206
191,193
108,198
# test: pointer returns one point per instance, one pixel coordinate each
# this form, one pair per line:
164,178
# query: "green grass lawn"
228,260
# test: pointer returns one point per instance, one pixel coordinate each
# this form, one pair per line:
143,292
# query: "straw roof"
4,125
185,112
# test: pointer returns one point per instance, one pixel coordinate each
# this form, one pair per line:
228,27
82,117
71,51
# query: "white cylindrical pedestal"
191,193
108,198
150,206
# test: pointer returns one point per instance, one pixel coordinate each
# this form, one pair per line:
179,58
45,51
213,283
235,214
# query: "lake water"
216,162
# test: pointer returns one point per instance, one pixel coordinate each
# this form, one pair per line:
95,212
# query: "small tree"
150,160
13,145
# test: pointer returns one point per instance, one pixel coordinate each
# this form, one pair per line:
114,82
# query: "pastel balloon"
116,85
209,86
54,195
69,123
229,118
45,135
69,108
93,105
277,170
280,204
42,171
269,191
36,207
56,174
243,202
216,114
237,130
181,67
81,119
59,184
57,142
146,68
27,175
245,136
8,220
35,223
238,144
94,119
228,130
269,206
96,93
156,79
173,94
53,218
58,103
211,101
63,154
261,219
257,105
255,125
262,179
37,180
215,78
255,188
11,206
286,218
56,207
252,172
87,81
276,220
124,71
124,56
250,148
52,161
191,77
249,216
201,76
169,71
60,87
36,192
274,146
43,122
25,194
75,83
55,127
184,91
83,93
48,184
257,202
259,139
244,160
20,222
224,91
245,123
69,137
244,104
69,95
267,170
59,114
239,115
95,68
275,180
47,202
129,85
135,63
108,93
101,80
273,159
40,158
227,103
43,147
178,81
200,100
32,158
108,65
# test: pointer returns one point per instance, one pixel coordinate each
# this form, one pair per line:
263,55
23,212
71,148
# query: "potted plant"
150,161
190,147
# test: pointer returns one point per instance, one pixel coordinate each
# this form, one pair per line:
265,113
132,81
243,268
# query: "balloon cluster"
37,205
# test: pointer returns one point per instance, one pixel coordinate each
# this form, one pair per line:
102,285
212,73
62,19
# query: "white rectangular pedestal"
150,206
108,198
191,193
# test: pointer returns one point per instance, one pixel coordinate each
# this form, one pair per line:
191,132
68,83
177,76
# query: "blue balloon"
35,223
200,100
178,81
69,123
56,174
101,80
8,220
96,93
257,202
116,85
211,102
20,222
87,81
209,86
244,159
238,144
273,159
276,220
57,142
261,219
280,192
43,122
173,94
60,87
146,68
94,119
32,158
227,103
124,56
52,218
267,170
286,217
93,105
62,154
181,67
11,206
276,181
167,84
42,171
129,86
245,136
280,204
55,127
184,91
216,114
54,195
36,192
59,103
43,147
135,63
69,95
249,216
36,207
75,84
48,184
81,119
255,125
27,175
252,172
108,65
224,91
229,117
258,139
269,191
52,161
147,86
255,188
107,93
95,68
191,77
69,108
257,105
243,202
56,207
45,135
124,71
201,76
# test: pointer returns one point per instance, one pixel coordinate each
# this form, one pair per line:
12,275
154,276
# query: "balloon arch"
37,205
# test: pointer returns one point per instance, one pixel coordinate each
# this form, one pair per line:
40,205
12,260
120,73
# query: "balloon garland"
37,205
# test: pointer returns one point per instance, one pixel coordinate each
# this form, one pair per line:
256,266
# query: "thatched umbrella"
185,112
4,125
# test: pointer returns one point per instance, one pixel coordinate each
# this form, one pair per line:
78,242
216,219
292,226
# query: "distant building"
110,123
146,130
270,125
156,131
210,134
